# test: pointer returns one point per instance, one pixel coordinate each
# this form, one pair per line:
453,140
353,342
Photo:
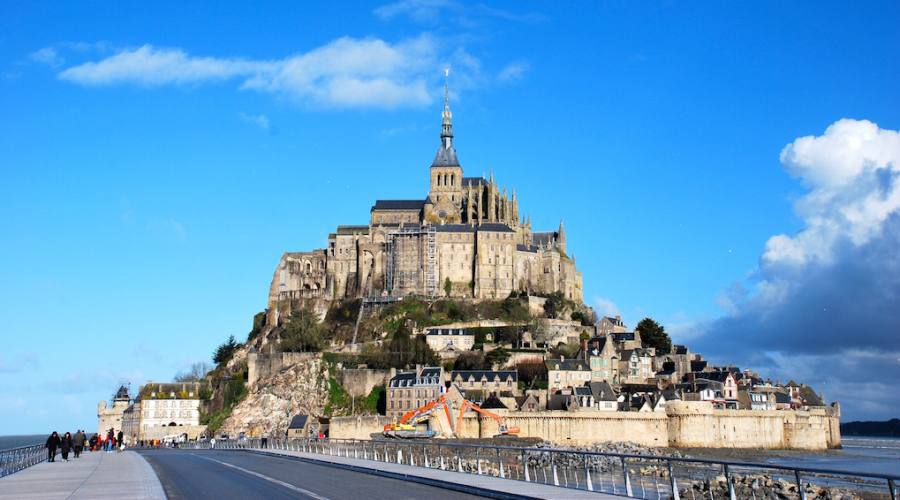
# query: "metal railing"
640,476
15,459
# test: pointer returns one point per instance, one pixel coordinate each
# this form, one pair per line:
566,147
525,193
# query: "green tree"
554,305
225,350
448,287
403,350
497,356
302,333
654,335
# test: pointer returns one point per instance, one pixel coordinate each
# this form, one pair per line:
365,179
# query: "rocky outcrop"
268,408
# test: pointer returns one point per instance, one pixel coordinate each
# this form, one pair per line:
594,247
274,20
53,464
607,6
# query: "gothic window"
452,179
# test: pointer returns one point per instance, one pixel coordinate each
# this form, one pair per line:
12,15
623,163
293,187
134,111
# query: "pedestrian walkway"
97,475
431,476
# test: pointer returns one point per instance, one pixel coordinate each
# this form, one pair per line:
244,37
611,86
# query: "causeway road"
191,474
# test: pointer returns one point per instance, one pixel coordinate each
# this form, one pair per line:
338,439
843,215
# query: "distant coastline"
887,428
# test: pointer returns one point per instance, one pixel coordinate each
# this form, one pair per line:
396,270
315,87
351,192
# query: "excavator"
407,427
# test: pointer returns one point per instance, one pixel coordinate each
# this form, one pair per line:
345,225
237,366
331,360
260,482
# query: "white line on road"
267,478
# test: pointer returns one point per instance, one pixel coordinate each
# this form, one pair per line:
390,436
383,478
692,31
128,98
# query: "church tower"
561,238
446,193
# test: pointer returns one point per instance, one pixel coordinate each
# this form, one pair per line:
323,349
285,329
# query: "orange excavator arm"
501,422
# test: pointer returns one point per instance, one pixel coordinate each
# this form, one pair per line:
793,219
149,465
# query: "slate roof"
679,349
398,205
298,422
495,227
781,397
717,376
473,181
568,364
445,157
493,403
487,374
545,238
526,248
622,336
602,391
698,366
429,376
583,391
444,332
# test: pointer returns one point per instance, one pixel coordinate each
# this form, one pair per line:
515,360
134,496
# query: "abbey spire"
446,154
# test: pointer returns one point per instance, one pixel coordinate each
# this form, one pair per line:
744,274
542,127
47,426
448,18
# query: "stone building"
168,408
110,416
409,390
465,238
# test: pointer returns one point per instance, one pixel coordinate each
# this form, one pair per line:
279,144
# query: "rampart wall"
359,382
684,425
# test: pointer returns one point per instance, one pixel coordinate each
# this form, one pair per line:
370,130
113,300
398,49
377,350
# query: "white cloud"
851,172
260,120
605,307
822,306
418,10
513,71
346,72
48,56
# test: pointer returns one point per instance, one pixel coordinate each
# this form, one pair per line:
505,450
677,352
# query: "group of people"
75,444
67,443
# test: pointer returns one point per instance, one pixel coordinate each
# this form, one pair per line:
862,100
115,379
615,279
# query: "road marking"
267,478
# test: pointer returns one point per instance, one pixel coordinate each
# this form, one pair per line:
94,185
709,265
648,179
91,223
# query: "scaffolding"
398,278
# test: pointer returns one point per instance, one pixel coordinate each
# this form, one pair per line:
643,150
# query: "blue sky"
157,159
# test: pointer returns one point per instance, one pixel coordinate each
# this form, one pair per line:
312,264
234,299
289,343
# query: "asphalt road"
197,474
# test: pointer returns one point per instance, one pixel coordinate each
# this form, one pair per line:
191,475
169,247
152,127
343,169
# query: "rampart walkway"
97,475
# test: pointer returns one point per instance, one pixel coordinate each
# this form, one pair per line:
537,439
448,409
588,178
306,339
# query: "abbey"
465,239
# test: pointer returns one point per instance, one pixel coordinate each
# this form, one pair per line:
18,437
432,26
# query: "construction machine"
503,429
407,426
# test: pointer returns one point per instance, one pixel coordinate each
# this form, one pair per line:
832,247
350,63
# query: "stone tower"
446,193
561,238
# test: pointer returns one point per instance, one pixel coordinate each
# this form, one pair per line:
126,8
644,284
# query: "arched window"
452,179
439,179
308,267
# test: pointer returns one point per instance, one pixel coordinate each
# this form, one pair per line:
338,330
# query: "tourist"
52,444
66,445
78,443
110,441
120,441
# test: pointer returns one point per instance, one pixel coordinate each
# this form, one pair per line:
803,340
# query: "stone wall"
263,364
359,382
361,427
577,428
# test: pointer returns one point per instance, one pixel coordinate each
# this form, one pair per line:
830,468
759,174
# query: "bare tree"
195,373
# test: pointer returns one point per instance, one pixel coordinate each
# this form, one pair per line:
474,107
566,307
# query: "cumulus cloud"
824,302
346,72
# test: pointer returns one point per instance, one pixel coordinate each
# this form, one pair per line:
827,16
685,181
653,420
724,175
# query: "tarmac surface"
96,475
190,474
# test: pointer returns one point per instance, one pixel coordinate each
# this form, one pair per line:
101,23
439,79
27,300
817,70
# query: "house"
601,355
664,397
626,340
486,381
611,324
605,398
783,401
528,403
667,374
754,399
728,381
448,343
298,428
566,373
409,390
584,398
635,366
562,401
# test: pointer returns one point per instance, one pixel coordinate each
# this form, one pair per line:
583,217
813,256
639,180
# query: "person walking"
52,445
78,443
120,441
66,445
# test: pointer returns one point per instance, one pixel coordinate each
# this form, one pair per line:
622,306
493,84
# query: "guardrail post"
553,466
628,490
458,461
672,482
800,489
727,471
478,461
499,463
399,456
589,484
425,455
525,466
